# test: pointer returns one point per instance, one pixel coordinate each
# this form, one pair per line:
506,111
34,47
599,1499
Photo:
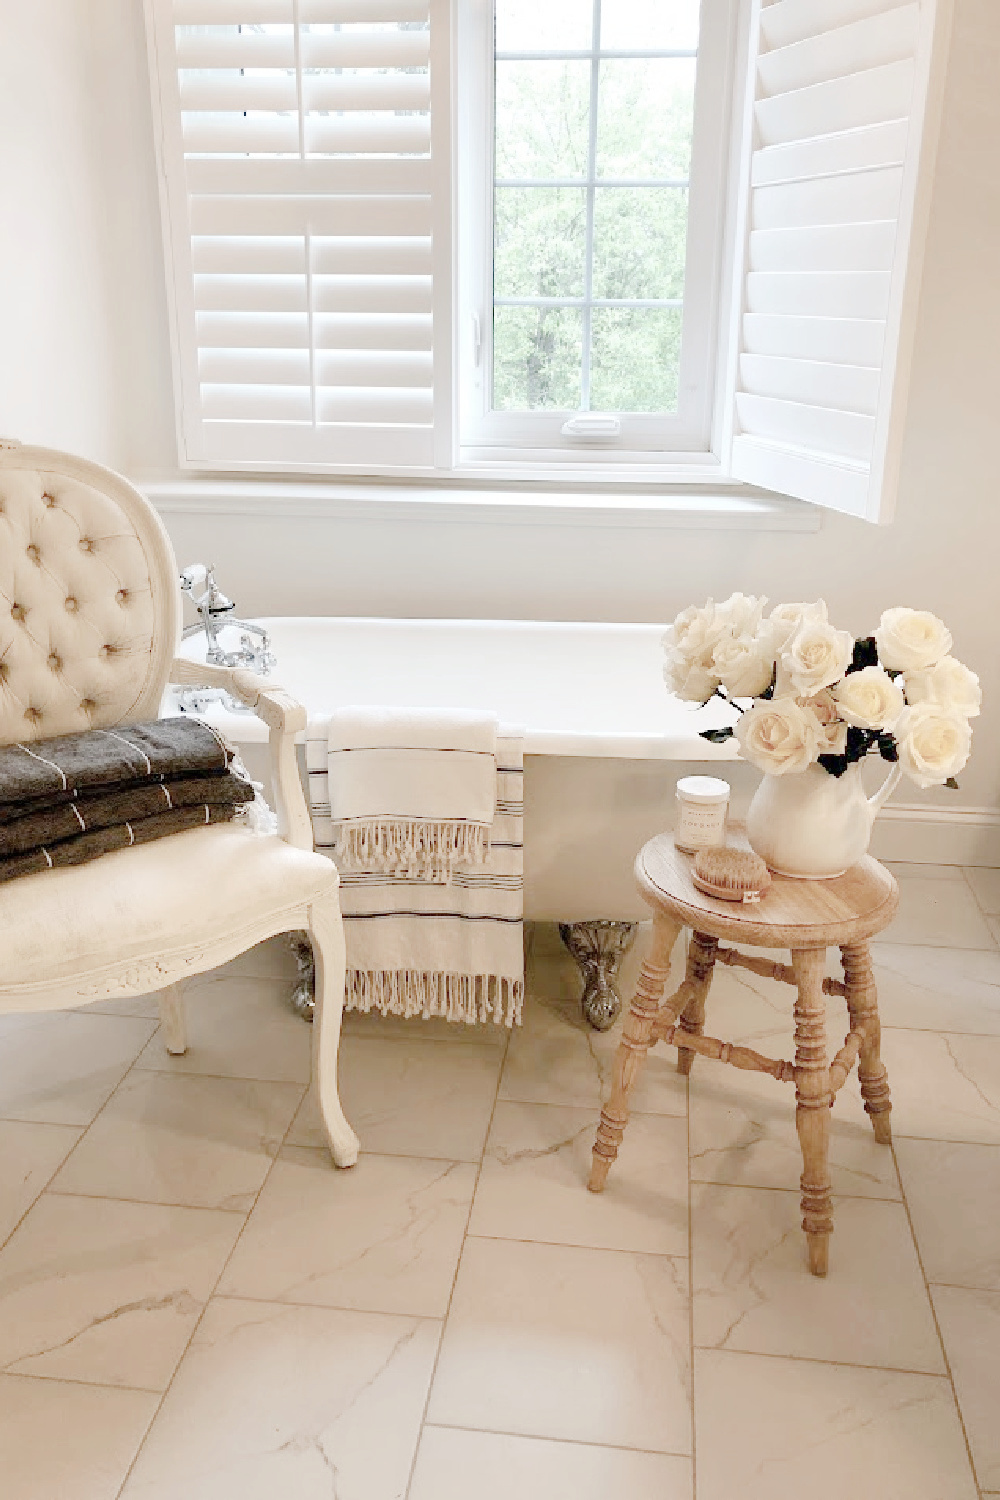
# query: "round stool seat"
792,914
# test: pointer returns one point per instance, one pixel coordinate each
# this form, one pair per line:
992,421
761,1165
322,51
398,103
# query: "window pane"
539,244
649,24
537,358
640,239
542,111
635,358
544,25
645,118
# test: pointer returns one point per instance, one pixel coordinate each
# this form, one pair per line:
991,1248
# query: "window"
591,222
421,236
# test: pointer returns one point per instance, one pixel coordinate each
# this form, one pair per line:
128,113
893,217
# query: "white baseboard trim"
937,835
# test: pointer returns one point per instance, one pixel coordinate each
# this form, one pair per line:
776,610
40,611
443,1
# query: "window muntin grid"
576,313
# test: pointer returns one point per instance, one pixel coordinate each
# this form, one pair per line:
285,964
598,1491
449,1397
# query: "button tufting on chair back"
89,602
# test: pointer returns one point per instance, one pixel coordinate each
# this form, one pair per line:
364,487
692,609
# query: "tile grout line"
85,1131
690,1196
198,1321
47,1184
815,1359
988,917
937,1326
458,1264
534,1437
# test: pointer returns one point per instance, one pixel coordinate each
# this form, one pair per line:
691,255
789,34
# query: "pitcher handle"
878,799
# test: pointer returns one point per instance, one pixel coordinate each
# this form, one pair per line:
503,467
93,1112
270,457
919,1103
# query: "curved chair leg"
171,1003
632,1048
812,1104
862,1006
700,963
327,932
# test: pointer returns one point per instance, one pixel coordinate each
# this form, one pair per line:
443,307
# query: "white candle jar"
702,806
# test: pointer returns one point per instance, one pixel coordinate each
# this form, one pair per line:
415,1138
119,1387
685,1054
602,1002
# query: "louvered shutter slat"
867,98
843,387
857,150
840,51
786,22
842,113
824,248
307,183
804,294
848,341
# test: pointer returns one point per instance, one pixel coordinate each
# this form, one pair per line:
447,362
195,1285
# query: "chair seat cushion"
155,900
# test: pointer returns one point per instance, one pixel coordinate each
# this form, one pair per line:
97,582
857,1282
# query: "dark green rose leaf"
716,736
952,783
835,764
865,654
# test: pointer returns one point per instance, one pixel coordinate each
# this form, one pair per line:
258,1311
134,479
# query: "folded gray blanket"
88,846
41,827
56,771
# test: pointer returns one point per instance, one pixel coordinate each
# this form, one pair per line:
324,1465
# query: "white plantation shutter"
305,155
843,106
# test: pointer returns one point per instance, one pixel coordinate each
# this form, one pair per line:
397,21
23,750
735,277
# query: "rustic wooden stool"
805,917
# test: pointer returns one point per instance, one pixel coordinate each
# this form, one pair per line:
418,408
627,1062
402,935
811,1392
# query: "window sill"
714,507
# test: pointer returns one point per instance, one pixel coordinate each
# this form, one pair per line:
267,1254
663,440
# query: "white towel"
412,791
422,948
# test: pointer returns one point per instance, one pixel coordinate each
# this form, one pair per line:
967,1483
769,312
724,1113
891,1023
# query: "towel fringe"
411,847
425,993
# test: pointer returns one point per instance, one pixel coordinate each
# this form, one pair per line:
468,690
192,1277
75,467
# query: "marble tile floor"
195,1305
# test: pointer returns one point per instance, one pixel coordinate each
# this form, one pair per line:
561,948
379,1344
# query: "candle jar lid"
703,789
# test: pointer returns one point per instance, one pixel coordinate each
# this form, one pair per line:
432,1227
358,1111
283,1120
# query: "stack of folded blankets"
422,812
66,800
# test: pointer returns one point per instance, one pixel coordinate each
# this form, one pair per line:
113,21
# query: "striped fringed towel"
417,947
412,791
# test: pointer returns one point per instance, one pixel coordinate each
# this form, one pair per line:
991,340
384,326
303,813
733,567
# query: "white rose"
816,657
934,743
694,629
741,668
785,619
910,640
688,645
949,683
869,699
740,614
690,680
779,735
832,729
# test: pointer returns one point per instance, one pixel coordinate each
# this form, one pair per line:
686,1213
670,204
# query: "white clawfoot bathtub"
604,741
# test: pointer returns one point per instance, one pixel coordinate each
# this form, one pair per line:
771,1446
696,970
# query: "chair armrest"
284,717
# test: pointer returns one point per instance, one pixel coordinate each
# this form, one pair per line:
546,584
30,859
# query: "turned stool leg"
862,1003
700,963
633,1047
812,1104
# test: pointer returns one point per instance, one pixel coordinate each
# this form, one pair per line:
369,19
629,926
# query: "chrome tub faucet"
216,612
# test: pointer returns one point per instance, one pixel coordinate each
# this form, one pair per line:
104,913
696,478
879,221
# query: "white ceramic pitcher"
812,825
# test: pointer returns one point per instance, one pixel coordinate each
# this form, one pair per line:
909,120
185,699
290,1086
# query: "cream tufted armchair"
89,622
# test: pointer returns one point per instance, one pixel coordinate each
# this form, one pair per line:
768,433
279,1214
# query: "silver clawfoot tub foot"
599,948
303,1001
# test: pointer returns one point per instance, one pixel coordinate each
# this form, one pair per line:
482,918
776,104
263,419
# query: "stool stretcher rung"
769,968
728,1052
840,1067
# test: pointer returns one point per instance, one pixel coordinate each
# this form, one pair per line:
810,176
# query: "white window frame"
534,438
829,111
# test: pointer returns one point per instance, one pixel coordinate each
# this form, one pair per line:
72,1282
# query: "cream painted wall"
85,365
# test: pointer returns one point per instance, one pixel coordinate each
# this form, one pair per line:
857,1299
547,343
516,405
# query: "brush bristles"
731,874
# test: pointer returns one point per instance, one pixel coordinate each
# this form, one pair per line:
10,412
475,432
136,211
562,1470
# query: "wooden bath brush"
731,874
